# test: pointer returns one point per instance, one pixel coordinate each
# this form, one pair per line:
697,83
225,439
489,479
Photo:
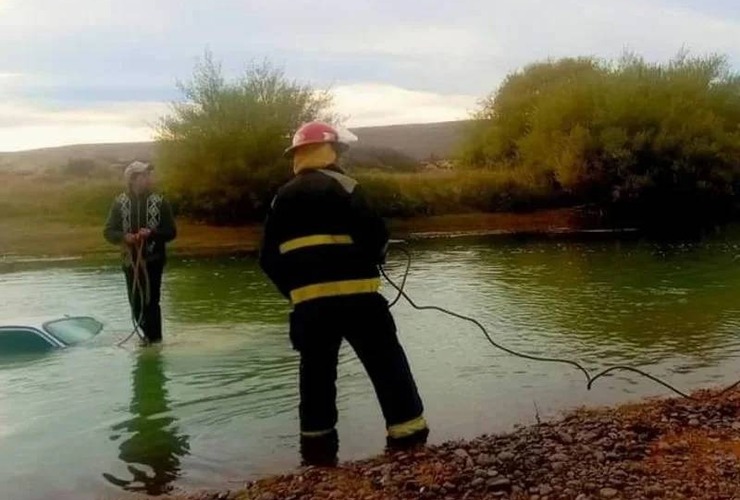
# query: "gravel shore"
671,448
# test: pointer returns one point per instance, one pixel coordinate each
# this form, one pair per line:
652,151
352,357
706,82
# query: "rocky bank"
672,448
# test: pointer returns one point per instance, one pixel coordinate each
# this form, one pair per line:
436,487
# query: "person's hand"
131,238
145,232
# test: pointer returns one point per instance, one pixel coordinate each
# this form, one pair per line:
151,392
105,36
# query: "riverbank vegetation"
651,143
220,152
642,143
54,215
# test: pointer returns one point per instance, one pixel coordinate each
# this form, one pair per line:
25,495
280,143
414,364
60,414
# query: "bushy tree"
664,137
220,148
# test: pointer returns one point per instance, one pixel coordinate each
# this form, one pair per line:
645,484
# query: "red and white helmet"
320,132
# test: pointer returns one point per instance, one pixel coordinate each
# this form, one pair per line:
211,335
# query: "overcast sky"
74,71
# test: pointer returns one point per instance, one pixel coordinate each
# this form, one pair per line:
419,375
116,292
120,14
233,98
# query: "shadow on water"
154,441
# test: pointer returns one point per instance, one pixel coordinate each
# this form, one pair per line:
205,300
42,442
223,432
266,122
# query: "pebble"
596,455
558,466
565,438
655,491
608,493
499,484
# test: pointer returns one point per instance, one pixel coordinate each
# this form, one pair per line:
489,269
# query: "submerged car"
28,337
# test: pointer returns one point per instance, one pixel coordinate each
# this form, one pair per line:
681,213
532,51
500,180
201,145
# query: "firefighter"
321,247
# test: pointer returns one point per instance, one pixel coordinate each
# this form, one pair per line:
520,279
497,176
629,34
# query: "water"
218,402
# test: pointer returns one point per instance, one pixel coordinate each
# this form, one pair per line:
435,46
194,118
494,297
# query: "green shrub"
658,137
220,150
439,193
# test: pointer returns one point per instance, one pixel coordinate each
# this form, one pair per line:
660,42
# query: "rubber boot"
415,440
320,451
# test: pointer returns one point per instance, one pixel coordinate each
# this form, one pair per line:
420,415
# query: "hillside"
416,141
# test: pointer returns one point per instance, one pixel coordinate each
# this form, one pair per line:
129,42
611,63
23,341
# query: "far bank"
50,238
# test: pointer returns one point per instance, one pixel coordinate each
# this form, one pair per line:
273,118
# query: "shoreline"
656,448
51,240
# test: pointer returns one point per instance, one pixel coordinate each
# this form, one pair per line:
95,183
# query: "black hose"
589,378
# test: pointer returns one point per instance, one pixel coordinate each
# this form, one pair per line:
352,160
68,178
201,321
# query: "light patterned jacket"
129,213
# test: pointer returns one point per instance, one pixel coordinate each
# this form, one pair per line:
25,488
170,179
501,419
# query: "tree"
220,149
665,137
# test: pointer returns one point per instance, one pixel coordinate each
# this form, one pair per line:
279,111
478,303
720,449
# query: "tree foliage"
220,148
659,138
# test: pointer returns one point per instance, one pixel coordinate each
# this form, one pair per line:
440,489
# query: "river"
217,403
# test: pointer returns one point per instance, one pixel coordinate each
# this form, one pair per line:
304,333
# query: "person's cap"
137,167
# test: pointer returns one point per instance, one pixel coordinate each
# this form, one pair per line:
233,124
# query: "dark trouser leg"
319,349
372,334
152,325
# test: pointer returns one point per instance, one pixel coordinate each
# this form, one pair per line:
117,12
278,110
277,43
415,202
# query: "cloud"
30,126
389,60
379,104
27,126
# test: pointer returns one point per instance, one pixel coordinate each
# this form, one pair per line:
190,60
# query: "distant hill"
418,141
415,142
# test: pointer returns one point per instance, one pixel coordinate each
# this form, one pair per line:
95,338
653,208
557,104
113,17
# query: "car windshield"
73,331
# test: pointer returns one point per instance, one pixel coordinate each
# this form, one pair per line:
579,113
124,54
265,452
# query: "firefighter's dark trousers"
151,314
317,329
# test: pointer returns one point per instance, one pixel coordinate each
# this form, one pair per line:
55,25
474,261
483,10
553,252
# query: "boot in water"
320,451
416,440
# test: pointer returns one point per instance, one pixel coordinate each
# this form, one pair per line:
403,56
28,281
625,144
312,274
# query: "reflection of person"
140,219
154,441
322,247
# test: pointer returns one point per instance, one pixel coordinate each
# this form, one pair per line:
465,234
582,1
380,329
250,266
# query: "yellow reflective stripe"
334,288
407,428
315,240
315,434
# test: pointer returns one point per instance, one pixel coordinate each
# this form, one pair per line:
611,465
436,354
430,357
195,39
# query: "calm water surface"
217,403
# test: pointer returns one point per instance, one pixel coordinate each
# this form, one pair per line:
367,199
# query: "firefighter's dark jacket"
321,239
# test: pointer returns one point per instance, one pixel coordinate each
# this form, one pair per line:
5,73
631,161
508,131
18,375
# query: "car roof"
36,322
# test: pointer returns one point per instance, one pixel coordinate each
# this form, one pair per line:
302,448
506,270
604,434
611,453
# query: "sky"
88,71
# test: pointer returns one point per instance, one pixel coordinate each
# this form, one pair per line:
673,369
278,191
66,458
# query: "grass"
454,192
54,215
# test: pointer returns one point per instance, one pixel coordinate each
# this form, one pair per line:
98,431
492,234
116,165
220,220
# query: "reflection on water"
215,290
218,402
151,443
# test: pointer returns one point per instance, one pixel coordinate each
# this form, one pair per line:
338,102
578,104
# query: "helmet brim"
339,146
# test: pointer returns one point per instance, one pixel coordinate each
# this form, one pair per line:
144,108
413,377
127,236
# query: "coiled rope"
139,288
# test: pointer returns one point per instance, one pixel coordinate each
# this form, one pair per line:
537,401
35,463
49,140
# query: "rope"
139,289
590,379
